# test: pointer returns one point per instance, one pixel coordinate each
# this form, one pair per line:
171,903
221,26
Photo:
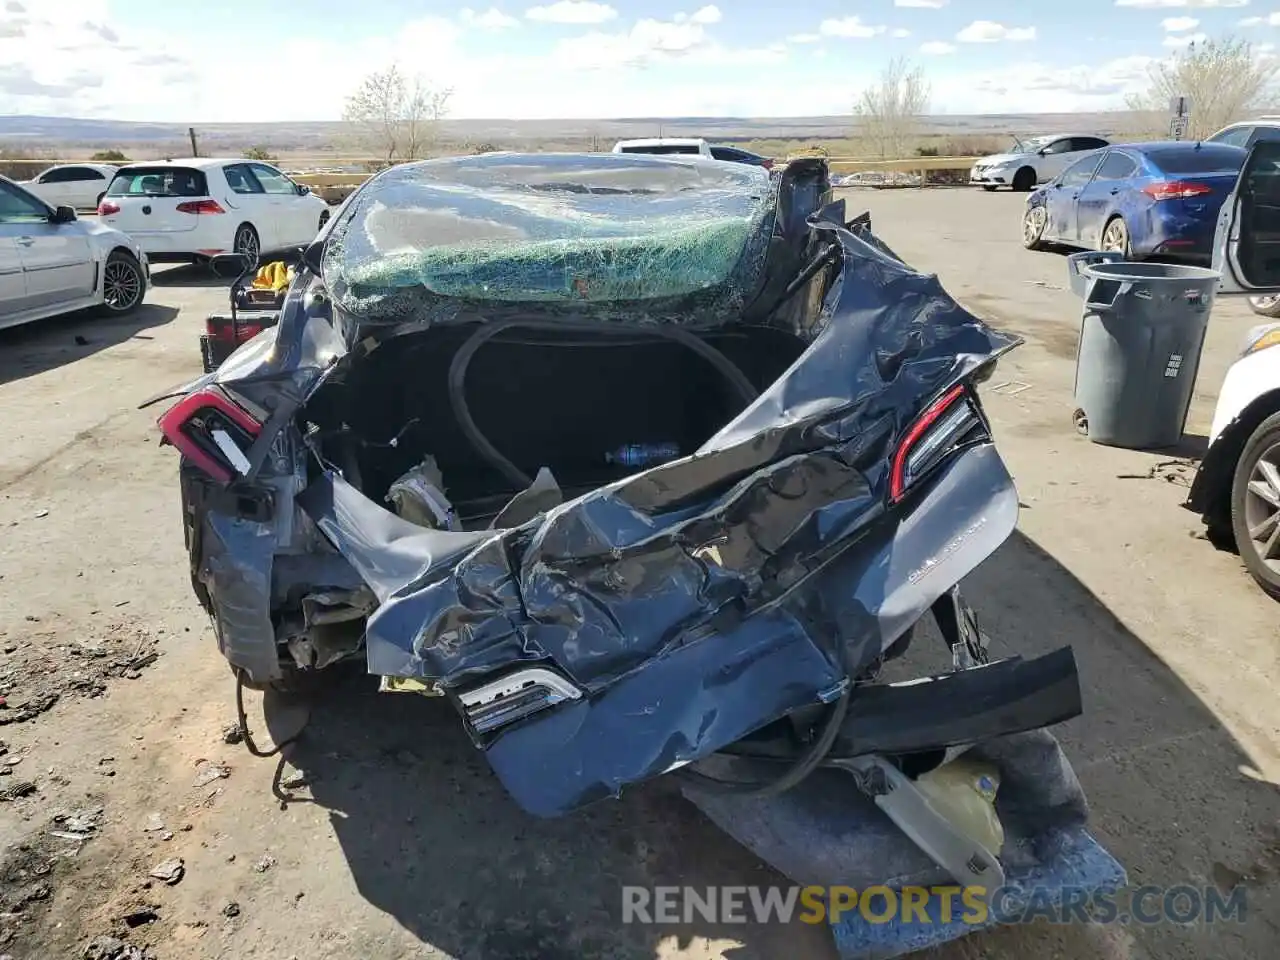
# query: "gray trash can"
1140,341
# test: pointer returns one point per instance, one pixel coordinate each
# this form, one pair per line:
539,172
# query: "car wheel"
1024,180
324,218
1255,505
246,242
1265,306
123,284
1034,220
1115,237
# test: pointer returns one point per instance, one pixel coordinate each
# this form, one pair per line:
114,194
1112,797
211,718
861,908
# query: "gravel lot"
402,845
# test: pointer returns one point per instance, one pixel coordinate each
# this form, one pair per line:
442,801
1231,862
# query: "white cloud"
1167,4
1177,41
929,4
1038,88
707,14
491,19
1179,24
804,38
899,33
849,27
573,11
937,47
1271,19
988,31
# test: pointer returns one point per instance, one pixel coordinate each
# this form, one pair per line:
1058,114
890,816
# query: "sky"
262,60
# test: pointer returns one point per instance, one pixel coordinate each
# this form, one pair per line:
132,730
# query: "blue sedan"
1143,200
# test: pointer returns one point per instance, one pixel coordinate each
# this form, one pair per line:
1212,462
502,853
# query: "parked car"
1245,134
53,263
1142,200
738,155
78,185
390,473
1236,489
665,146
190,210
1032,161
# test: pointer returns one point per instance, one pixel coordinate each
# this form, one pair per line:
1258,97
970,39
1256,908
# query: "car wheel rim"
1262,508
122,286
247,244
1113,239
1264,303
1033,224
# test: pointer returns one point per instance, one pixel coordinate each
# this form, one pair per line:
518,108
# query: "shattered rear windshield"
551,228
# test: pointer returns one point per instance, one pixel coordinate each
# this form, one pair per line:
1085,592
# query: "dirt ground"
401,844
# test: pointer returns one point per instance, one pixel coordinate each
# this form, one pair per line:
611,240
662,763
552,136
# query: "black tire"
1265,306
1248,508
1024,181
123,284
1118,226
246,241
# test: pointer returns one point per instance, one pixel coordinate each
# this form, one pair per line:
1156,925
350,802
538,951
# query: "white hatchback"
190,210
79,185
52,263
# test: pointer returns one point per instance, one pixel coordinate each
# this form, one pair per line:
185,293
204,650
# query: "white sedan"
79,185
1032,161
52,263
190,210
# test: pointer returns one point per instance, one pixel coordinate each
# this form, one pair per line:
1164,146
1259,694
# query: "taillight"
211,431
200,206
946,423
767,164
107,207
1175,190
235,333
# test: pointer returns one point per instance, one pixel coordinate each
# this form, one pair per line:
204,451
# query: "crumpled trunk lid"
699,600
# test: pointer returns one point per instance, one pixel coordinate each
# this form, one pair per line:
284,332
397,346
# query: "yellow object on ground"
274,276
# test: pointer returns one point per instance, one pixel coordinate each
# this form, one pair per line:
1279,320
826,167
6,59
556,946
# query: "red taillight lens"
1175,190
224,331
200,206
107,207
211,431
948,421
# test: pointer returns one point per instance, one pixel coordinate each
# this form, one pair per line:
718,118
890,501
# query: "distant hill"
67,136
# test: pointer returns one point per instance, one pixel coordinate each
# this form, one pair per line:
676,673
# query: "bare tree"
1225,79
889,111
396,114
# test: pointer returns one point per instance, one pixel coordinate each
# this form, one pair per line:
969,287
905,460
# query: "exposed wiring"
804,765
243,720
486,332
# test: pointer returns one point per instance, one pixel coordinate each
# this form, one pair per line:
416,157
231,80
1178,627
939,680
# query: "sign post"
1179,117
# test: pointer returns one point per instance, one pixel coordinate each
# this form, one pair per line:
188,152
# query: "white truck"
690,146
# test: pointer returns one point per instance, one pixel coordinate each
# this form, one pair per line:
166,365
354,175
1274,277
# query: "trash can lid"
1143,271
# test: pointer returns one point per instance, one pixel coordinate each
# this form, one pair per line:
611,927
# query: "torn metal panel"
704,598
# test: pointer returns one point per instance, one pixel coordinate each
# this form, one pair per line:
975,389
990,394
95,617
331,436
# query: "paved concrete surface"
404,846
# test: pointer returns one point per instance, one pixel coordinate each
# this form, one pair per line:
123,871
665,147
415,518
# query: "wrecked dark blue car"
648,465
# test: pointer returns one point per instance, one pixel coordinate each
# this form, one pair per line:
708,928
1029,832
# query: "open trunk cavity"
571,400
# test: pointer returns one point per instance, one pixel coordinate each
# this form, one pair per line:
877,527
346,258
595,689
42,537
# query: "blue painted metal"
1078,869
